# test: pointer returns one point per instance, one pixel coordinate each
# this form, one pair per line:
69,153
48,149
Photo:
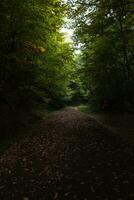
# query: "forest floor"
71,156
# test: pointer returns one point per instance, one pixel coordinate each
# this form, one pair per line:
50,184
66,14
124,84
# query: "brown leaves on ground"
70,157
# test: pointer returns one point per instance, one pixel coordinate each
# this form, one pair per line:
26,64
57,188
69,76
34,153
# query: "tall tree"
33,53
105,30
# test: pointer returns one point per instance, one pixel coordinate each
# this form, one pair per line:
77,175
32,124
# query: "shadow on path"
70,157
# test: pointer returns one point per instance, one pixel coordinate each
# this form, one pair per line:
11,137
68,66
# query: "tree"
105,30
34,56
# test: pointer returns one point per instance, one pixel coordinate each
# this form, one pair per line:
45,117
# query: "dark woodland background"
40,71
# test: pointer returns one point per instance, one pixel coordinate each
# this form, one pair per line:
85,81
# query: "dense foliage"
38,66
35,59
105,30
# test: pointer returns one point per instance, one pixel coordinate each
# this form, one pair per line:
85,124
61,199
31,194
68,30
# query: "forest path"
70,157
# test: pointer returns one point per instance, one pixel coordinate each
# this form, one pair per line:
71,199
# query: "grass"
84,108
88,108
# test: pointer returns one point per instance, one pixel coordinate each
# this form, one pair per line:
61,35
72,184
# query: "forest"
105,30
41,70
66,99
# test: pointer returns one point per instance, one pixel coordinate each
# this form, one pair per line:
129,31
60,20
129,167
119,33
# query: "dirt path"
70,157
